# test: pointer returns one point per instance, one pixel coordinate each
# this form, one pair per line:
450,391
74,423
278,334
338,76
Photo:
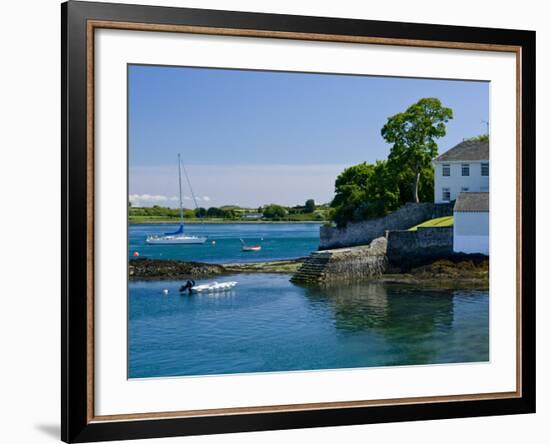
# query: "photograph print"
293,221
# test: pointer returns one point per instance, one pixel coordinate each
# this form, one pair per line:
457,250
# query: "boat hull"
187,240
214,287
251,248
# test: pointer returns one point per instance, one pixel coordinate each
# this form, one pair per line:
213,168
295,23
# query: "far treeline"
372,190
271,212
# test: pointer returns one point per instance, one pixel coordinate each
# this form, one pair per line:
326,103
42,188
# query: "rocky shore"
156,269
459,271
286,266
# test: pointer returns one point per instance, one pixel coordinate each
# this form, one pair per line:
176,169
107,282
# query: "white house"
253,215
471,223
464,168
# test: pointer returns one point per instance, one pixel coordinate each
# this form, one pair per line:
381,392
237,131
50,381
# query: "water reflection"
267,323
409,319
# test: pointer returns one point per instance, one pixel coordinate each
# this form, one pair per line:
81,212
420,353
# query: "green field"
446,221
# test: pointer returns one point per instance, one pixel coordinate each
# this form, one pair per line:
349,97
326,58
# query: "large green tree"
413,135
480,138
200,212
404,177
214,212
274,211
350,189
309,207
382,195
364,191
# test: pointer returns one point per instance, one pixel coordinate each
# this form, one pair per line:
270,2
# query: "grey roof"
472,202
466,150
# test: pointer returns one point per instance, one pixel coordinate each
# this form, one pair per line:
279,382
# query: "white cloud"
148,198
248,185
145,200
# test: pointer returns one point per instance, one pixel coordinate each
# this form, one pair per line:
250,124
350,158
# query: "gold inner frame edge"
92,25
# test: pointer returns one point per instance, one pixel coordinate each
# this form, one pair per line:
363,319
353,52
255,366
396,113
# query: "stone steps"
343,264
313,268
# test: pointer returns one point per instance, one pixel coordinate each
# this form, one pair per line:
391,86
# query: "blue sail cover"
180,231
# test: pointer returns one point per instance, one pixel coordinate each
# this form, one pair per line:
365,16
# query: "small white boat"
213,287
246,247
178,237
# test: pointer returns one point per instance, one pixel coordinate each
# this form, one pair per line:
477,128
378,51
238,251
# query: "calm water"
269,324
279,241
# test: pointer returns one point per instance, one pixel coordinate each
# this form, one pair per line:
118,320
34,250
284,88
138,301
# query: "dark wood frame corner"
79,21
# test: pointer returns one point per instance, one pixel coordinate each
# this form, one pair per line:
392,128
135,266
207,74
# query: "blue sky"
255,137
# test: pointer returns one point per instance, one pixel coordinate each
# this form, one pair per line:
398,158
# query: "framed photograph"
275,221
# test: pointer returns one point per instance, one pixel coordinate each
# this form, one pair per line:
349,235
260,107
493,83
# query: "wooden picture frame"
79,22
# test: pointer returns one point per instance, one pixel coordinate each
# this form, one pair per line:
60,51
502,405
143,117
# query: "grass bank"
446,221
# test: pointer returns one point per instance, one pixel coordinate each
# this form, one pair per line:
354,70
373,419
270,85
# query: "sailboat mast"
191,189
179,179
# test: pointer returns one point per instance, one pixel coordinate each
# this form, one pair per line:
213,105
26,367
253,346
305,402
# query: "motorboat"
210,287
214,287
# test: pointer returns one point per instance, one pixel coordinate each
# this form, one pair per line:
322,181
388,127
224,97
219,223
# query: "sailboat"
178,237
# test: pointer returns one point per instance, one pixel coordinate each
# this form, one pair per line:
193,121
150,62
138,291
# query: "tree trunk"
415,184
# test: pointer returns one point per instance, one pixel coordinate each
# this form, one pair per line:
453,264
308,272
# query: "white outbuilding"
471,223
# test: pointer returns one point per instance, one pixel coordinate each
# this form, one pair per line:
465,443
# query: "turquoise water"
279,241
269,324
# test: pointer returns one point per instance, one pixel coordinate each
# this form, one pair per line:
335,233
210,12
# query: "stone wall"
442,210
362,233
343,265
424,243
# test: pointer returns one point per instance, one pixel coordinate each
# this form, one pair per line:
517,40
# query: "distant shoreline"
175,222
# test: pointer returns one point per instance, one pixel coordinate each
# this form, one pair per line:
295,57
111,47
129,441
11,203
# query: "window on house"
465,169
465,189
446,169
484,169
446,195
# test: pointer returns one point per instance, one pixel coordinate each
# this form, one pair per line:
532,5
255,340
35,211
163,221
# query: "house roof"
472,202
466,150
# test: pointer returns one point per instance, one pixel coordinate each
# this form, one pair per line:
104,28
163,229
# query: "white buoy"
165,291
213,242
